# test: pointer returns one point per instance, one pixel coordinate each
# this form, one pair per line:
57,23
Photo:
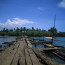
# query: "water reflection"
6,39
55,58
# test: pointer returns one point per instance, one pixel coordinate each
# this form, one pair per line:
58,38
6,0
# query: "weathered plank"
28,59
46,59
22,54
28,43
51,49
34,59
16,57
60,56
19,53
22,58
7,55
62,64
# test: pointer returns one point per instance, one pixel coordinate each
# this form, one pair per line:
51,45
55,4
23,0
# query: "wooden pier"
22,53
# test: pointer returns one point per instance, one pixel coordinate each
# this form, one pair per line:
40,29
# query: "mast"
54,26
54,29
54,21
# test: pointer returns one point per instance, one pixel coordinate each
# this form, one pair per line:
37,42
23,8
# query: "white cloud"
62,4
40,8
16,22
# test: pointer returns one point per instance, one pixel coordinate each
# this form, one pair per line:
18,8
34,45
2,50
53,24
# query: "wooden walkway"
22,53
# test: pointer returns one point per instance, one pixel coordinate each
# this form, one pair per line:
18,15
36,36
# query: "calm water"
55,58
38,46
57,42
6,39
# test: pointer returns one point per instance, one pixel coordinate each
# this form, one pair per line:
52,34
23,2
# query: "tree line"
31,32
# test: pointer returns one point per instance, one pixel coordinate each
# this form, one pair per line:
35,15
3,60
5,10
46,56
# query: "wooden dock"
22,53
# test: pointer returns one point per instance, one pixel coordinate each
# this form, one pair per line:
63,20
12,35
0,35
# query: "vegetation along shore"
31,32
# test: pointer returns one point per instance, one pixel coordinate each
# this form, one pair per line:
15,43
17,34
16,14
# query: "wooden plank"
15,58
51,49
22,59
28,59
25,58
60,53
22,54
34,59
28,43
62,64
46,59
18,54
60,56
7,56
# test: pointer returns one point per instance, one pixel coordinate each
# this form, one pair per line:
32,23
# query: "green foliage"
61,34
53,31
31,32
38,33
32,28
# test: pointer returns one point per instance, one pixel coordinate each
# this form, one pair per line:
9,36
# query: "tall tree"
21,29
32,28
24,29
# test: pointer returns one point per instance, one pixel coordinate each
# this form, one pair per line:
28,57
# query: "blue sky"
32,13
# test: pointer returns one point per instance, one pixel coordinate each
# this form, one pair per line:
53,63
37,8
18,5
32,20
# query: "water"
38,46
58,43
55,58
36,37
6,39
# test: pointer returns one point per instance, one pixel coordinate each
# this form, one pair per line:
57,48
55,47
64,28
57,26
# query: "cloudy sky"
36,13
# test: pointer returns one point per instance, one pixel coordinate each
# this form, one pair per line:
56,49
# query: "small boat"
48,45
48,37
51,46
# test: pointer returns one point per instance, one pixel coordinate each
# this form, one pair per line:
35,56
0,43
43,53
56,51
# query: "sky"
32,13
